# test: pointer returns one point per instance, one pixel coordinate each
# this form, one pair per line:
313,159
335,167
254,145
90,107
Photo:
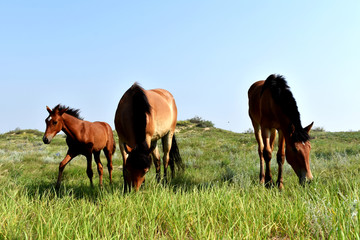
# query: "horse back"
160,120
254,95
99,134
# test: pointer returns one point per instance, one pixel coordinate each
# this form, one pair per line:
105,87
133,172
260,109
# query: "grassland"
217,197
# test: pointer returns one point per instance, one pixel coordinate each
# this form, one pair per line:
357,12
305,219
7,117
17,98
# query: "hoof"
269,183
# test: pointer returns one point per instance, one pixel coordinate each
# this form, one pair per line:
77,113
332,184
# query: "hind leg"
166,142
108,156
266,135
272,138
99,167
257,132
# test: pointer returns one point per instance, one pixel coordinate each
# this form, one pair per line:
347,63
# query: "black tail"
175,157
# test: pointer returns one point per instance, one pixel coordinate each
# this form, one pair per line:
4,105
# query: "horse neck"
286,130
288,141
71,126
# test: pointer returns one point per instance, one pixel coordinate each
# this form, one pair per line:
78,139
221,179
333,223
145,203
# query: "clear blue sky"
86,54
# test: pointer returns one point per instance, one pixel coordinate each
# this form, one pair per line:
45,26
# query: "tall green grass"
217,197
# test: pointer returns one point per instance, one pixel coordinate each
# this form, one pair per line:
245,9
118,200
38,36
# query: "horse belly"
158,134
99,137
162,126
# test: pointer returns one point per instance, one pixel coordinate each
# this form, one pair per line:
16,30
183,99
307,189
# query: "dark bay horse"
143,117
82,137
272,107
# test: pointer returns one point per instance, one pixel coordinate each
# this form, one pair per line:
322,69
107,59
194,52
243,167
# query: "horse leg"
108,156
89,170
266,134
280,157
166,142
257,132
124,157
62,165
272,138
156,158
99,167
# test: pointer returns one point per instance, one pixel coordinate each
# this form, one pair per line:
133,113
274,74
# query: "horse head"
137,164
54,123
298,156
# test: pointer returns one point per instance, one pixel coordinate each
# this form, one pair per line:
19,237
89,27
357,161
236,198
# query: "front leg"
280,156
166,142
89,170
69,156
156,157
127,186
124,157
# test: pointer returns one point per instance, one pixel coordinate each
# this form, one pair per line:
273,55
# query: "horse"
82,137
272,107
141,119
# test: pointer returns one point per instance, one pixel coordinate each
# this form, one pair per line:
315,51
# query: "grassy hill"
217,197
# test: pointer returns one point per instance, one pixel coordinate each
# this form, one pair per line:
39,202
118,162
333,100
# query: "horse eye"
55,122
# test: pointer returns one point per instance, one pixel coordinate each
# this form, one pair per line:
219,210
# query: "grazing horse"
143,117
272,107
82,137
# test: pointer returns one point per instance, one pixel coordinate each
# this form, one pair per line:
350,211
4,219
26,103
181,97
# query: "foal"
82,137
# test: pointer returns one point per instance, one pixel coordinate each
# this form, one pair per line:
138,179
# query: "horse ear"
63,111
48,109
308,128
127,148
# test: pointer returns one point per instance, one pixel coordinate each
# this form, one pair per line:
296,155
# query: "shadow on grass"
186,183
47,190
181,183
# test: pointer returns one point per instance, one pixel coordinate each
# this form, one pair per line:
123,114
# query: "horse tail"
114,146
112,142
175,156
140,107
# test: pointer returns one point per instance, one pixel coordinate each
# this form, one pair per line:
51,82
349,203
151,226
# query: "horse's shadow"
83,190
188,184
48,190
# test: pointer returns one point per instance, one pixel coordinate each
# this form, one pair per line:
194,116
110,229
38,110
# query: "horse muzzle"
305,177
47,140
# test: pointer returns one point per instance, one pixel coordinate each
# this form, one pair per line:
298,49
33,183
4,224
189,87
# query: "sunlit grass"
217,197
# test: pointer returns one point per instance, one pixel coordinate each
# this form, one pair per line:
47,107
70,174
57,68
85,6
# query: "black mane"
141,107
282,96
138,159
71,111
